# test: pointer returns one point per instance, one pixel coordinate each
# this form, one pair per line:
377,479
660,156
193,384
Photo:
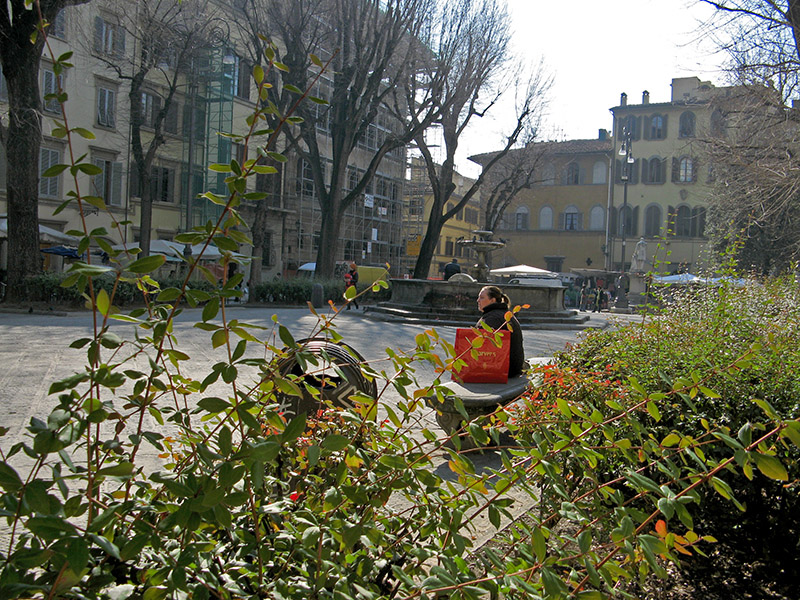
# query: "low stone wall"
445,294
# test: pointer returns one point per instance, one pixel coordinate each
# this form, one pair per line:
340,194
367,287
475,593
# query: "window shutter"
613,218
637,128
119,41
676,168
617,171
99,26
664,127
561,221
580,221
662,176
671,221
116,183
135,183
635,221
170,185
635,171
648,129
99,180
695,169
645,171
101,106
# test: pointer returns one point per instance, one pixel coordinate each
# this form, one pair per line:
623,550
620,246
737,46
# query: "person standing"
493,303
451,269
350,280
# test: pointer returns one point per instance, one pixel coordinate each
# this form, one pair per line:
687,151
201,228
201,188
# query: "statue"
639,259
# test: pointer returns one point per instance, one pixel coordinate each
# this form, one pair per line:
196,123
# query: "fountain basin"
454,303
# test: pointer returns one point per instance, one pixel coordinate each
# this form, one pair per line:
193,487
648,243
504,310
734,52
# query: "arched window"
686,169
698,221
657,129
599,172
545,218
521,218
652,221
717,123
687,125
653,171
572,219
597,221
683,222
573,176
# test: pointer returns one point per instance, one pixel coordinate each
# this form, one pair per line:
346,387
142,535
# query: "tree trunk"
22,149
328,241
428,247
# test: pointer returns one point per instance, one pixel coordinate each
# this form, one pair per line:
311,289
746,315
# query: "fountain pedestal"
482,243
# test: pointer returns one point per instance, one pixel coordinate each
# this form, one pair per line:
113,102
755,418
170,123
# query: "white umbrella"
523,270
174,251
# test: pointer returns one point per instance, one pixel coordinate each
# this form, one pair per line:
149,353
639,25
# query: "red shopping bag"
486,362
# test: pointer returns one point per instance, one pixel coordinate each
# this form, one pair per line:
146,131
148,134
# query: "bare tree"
754,141
20,52
370,45
166,37
516,172
471,47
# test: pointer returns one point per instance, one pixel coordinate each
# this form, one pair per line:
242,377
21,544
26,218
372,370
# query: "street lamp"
626,151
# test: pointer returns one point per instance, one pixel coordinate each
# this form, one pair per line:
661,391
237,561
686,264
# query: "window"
599,172
625,222
597,218
151,104
106,106
194,122
109,39
652,221
58,28
545,218
572,219
658,128
108,183
687,125
717,123
415,207
549,174
685,171
683,222
162,184
654,170
573,175
698,222
521,218
240,77
50,87
48,186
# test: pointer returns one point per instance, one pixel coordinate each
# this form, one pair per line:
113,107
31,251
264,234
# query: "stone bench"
479,399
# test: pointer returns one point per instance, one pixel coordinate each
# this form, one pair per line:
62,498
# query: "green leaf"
653,410
147,264
294,429
539,544
102,302
770,466
84,133
213,405
335,442
54,170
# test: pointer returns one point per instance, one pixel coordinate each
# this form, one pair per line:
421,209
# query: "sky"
595,50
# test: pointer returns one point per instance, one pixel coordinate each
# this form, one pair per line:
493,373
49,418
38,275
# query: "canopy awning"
174,251
522,270
47,235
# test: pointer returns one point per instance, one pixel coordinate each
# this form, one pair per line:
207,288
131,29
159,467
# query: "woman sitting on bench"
493,303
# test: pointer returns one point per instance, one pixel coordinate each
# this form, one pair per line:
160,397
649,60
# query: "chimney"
645,97
602,134
623,99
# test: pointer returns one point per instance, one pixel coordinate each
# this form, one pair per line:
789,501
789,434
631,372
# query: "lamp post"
625,151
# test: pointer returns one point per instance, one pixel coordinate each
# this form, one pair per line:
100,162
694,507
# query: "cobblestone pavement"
34,350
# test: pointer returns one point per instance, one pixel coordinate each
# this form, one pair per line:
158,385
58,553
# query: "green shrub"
708,377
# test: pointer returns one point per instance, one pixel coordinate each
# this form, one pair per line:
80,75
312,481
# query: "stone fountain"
482,243
453,302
